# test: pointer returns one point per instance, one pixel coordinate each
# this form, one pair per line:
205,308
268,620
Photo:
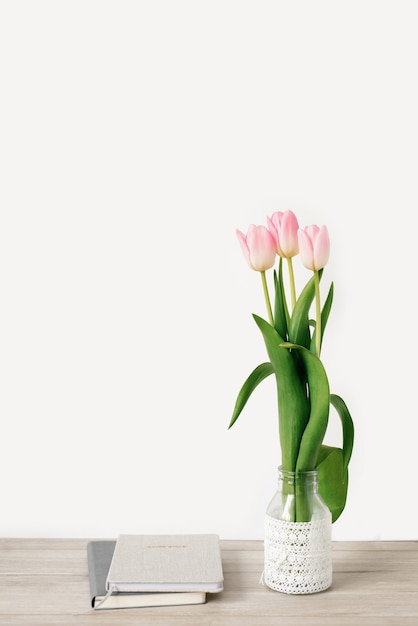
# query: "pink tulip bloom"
258,247
284,228
314,246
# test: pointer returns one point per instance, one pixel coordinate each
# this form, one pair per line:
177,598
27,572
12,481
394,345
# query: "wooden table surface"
45,582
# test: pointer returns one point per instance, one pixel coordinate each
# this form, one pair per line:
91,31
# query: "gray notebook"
166,563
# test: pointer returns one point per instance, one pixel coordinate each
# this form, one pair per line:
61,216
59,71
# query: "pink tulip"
284,228
314,246
259,247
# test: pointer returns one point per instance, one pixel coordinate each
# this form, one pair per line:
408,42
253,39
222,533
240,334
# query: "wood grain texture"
45,582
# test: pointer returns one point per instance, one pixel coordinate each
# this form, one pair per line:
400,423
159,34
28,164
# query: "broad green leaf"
254,379
319,398
299,322
281,312
348,427
324,318
332,479
293,405
333,463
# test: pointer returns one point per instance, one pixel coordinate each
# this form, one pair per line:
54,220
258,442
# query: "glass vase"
297,536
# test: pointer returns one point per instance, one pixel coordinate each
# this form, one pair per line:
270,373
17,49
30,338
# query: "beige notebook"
166,563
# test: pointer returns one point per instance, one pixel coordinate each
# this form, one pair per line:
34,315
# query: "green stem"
303,509
292,282
302,501
267,297
318,314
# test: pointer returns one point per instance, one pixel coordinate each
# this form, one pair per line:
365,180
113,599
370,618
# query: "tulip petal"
262,248
243,243
284,228
306,249
288,234
321,248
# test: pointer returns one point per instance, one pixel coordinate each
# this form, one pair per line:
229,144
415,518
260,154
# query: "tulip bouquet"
293,342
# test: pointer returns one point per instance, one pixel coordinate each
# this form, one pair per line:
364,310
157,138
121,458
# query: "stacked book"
154,570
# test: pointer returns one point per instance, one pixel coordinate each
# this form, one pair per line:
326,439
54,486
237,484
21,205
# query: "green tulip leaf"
324,318
299,322
319,397
293,403
254,379
332,479
348,427
281,312
333,463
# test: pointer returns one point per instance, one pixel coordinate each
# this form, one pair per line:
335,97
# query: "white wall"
135,138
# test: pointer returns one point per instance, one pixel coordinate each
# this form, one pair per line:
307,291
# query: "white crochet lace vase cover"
297,555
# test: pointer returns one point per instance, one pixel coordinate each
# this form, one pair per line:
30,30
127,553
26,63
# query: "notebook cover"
166,563
99,557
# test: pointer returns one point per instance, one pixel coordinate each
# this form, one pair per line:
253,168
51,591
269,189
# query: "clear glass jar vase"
297,536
